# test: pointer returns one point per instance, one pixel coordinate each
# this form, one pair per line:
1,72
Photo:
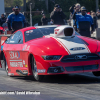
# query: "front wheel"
34,70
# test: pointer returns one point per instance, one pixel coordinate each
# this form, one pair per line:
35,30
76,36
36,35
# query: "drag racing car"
50,50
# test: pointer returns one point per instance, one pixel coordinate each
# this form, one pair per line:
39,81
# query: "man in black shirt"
2,19
44,20
57,15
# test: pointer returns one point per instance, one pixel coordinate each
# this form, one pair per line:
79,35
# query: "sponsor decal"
27,31
16,60
10,74
25,47
26,66
12,41
14,55
57,29
41,70
24,62
77,48
30,31
16,64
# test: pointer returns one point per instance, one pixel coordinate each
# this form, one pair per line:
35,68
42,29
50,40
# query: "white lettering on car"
14,55
24,62
16,64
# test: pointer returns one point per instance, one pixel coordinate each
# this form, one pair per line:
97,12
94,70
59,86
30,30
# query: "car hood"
65,46
90,43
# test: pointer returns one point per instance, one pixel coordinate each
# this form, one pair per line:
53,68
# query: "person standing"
2,20
98,14
93,14
76,11
84,22
16,20
57,15
44,20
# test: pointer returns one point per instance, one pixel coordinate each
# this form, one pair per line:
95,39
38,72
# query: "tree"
18,2
8,3
11,3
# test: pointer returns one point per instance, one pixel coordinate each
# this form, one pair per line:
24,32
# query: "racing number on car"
14,55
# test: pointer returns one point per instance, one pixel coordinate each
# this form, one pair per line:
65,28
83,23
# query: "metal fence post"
30,15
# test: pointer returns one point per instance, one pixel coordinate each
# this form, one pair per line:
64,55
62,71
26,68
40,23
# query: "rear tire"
96,73
34,70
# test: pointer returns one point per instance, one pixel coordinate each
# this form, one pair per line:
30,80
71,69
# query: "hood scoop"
64,32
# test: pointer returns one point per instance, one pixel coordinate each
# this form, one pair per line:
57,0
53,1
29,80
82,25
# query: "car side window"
16,38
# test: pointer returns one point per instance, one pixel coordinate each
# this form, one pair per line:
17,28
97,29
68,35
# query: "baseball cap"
57,6
16,7
83,8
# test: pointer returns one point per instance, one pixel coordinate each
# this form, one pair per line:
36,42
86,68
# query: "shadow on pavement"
64,79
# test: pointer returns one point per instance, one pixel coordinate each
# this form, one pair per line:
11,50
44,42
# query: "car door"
13,51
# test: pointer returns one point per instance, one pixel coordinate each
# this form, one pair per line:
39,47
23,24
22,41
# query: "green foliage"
17,2
89,4
39,5
36,19
11,3
67,15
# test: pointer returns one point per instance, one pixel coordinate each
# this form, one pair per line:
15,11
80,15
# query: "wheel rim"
6,68
34,68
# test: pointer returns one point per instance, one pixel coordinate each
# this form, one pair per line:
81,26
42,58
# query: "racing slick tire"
5,65
34,71
96,73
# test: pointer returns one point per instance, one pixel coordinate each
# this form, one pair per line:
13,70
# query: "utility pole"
46,2
97,3
30,14
24,1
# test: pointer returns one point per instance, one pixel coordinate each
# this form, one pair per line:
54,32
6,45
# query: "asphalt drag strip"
83,86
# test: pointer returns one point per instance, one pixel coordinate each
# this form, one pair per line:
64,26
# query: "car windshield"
38,33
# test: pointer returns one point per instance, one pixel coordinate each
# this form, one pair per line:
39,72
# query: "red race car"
50,50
